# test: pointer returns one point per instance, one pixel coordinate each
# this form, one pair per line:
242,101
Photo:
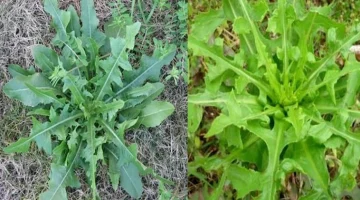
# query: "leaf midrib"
109,74
313,165
48,129
117,138
128,175
24,89
238,71
58,17
132,82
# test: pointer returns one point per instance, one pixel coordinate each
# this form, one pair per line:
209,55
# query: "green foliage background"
272,112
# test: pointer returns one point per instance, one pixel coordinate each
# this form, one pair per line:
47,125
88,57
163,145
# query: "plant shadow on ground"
24,176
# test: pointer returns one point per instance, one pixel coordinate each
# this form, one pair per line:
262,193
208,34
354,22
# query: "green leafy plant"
283,107
88,95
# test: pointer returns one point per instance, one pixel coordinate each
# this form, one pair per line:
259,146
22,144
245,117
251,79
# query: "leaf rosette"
283,100
89,94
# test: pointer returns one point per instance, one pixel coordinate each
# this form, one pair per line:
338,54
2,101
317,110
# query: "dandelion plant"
84,94
284,100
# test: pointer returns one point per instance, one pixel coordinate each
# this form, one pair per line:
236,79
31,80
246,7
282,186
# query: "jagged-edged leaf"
22,145
74,52
111,67
48,96
145,90
154,113
109,110
263,54
203,27
75,84
310,156
31,90
74,24
60,131
73,141
43,141
88,18
62,176
130,180
118,47
92,49
114,173
149,70
60,18
275,142
143,94
345,180
126,155
89,153
202,49
126,125
297,118
113,29
45,58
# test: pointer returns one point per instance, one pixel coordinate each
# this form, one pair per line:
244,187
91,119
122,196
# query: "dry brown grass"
23,23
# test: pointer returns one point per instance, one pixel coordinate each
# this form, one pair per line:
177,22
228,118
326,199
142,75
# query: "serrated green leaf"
311,157
111,67
75,85
60,177
88,18
73,51
89,153
241,26
203,49
203,27
47,95
22,145
43,141
73,141
60,18
149,70
126,155
345,181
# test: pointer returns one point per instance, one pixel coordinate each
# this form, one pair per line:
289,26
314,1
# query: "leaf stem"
141,11
132,9
152,11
